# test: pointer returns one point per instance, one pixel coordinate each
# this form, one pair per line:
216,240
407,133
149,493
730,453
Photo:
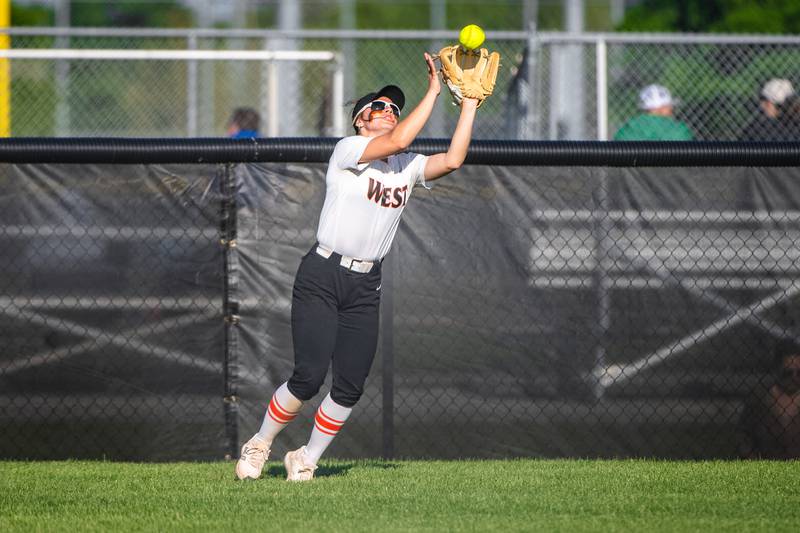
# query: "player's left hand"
433,76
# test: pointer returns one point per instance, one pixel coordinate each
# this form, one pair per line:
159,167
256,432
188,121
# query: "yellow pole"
5,71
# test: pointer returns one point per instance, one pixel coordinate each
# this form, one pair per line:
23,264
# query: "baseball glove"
469,73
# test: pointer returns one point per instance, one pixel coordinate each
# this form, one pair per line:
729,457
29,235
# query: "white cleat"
251,461
298,467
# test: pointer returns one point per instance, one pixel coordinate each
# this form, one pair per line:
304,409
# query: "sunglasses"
378,105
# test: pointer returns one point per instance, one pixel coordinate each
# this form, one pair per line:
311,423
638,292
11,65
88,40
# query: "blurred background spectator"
772,122
657,123
791,116
244,123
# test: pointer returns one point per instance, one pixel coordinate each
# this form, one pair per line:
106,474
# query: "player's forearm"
408,129
459,144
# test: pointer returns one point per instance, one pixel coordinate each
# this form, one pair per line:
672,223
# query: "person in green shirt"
657,123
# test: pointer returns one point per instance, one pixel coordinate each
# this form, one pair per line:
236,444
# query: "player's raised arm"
389,142
439,165
470,75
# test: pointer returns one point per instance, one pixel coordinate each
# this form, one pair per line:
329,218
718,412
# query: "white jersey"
364,201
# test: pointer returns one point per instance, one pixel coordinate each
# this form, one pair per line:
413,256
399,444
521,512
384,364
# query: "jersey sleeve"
348,151
416,168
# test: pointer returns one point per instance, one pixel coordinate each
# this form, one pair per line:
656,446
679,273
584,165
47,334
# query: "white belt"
350,263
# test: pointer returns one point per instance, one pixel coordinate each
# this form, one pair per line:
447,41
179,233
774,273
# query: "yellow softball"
471,36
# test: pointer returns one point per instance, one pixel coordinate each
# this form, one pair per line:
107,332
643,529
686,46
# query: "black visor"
393,92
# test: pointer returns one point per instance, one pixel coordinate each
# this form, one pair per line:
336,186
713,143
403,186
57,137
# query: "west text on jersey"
387,196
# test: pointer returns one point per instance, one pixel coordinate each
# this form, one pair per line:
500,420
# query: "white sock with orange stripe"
328,421
282,409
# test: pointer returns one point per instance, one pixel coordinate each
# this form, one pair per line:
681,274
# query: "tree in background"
35,15
129,14
415,14
319,14
714,16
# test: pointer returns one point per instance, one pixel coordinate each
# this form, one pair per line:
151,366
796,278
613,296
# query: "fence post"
63,114
437,15
601,228
273,104
191,89
387,354
230,307
602,89
338,96
532,118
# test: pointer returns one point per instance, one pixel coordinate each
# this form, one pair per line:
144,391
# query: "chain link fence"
568,312
527,311
550,86
110,306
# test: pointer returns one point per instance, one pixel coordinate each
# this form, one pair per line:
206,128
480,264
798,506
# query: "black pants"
335,315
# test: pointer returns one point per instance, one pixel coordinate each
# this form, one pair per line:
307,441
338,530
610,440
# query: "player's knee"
346,396
306,385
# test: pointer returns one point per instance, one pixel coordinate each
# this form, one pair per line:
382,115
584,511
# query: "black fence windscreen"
110,302
547,311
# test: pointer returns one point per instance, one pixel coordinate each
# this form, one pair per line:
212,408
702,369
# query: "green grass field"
512,495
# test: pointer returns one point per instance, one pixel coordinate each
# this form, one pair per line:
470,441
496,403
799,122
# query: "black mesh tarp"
111,293
527,311
545,311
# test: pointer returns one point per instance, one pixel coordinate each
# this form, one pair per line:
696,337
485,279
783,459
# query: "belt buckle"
356,265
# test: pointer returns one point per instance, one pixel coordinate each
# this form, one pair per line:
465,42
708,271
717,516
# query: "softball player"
336,292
